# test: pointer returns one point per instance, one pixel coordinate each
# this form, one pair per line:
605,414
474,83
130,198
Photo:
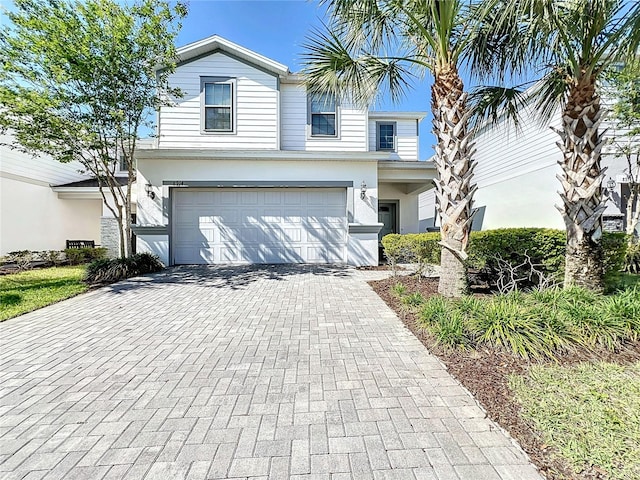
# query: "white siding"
352,125
504,153
256,107
406,138
42,168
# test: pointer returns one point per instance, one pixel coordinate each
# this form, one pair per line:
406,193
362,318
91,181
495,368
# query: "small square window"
122,163
387,136
217,105
323,113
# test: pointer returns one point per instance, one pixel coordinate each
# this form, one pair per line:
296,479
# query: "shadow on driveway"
227,276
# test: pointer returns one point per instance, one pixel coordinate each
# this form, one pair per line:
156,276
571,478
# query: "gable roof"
215,43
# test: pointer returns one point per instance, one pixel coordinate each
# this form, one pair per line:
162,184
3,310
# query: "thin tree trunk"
633,213
454,188
581,179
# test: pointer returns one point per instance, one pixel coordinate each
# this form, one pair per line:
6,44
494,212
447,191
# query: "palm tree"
373,45
574,43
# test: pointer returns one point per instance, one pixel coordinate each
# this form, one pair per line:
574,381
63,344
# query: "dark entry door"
387,216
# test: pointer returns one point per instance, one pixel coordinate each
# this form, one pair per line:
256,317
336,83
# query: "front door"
387,216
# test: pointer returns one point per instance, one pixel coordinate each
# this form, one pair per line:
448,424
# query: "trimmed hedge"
412,247
545,247
116,269
614,246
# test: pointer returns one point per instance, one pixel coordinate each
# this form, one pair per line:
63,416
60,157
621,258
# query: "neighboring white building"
44,203
516,174
248,167
33,216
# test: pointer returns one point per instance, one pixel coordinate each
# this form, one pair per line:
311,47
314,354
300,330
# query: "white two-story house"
249,167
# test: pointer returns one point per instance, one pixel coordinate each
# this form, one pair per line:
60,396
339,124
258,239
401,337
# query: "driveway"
247,372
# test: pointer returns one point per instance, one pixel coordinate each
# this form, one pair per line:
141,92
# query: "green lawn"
589,412
26,291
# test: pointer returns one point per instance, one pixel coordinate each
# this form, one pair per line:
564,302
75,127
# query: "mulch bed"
485,374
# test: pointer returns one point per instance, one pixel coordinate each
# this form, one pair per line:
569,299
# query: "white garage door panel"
259,225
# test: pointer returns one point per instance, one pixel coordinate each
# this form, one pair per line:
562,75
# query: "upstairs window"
323,108
386,136
122,163
218,105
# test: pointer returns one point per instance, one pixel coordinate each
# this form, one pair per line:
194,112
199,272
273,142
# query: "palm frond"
365,22
508,38
550,93
490,105
335,65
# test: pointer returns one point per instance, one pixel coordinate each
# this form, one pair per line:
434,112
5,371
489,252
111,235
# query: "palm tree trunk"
581,179
454,190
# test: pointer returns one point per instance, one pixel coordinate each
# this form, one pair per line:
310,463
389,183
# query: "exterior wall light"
611,184
363,190
149,189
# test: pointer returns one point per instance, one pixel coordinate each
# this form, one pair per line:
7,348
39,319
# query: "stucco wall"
155,212
408,206
32,217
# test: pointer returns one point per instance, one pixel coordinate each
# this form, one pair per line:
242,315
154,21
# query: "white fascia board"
91,193
405,172
293,78
405,165
268,155
373,115
78,192
215,42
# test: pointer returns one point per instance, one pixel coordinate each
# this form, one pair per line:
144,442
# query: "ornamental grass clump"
506,322
540,324
116,269
412,301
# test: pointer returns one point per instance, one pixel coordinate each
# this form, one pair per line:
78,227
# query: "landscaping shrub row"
536,324
545,248
116,269
25,259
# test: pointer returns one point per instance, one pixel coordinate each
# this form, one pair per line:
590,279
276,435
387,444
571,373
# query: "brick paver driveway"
254,372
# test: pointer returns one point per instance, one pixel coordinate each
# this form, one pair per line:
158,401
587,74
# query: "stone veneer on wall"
109,236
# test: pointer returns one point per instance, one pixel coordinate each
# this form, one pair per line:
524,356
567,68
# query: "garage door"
259,225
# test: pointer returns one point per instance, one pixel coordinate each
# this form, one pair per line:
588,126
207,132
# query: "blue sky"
277,29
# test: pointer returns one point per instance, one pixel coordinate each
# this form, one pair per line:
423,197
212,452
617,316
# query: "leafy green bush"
418,248
52,257
76,256
544,248
614,247
116,269
632,258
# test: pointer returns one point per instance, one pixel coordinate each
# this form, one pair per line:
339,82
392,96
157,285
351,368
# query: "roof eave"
215,42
